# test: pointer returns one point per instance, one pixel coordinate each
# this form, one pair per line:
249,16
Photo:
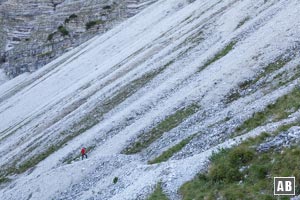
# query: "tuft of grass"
243,173
158,194
73,16
170,152
63,30
243,22
67,20
281,109
50,36
220,54
145,139
115,180
107,7
93,23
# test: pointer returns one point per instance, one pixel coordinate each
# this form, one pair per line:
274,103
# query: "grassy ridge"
170,152
243,173
220,54
281,109
146,139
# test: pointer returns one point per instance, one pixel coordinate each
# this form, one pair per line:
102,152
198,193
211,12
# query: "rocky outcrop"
284,139
33,33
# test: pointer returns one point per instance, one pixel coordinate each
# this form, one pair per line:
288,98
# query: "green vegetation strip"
220,54
91,24
63,30
243,173
87,122
243,22
50,36
4,180
71,17
170,152
146,138
283,78
270,68
158,194
281,109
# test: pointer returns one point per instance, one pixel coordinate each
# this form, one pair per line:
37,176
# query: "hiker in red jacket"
83,153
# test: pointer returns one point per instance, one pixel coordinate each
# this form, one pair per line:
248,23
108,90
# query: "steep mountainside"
32,33
152,99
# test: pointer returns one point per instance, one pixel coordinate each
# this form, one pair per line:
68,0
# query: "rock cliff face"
33,33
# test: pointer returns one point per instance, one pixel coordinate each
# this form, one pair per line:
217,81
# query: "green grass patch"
281,109
170,152
31,162
18,169
158,194
270,68
285,127
93,23
115,180
146,138
220,54
296,72
243,173
50,36
4,179
71,17
63,30
35,160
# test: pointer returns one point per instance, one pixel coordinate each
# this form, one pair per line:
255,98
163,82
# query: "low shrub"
115,180
91,24
63,30
158,194
50,36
